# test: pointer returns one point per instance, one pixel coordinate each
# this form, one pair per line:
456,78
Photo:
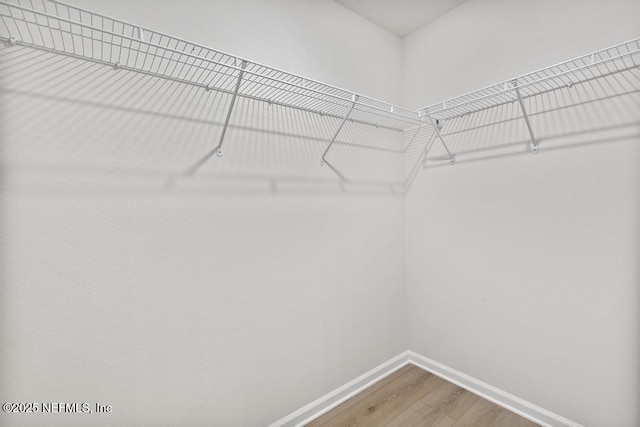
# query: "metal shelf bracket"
437,125
11,41
354,101
218,149
534,142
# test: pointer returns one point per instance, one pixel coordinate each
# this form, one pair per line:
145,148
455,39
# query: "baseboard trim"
493,394
332,399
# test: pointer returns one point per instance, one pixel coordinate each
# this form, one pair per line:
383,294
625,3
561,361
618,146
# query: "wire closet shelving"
604,73
59,28
56,27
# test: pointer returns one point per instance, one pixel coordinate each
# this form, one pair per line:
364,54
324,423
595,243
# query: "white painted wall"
522,271
224,302
208,303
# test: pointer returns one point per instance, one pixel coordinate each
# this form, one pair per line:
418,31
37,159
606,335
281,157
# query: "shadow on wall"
72,124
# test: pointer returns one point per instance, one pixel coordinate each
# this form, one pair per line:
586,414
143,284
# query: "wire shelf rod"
534,142
164,49
487,105
565,63
487,93
203,86
437,132
392,107
388,107
544,92
335,135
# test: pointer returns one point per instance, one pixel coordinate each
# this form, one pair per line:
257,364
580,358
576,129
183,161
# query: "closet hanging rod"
546,77
306,95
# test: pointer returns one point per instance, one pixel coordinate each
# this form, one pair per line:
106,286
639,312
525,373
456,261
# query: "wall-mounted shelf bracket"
354,101
534,142
437,125
218,149
11,41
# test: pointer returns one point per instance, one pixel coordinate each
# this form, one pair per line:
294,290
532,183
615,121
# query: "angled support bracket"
218,149
534,142
354,100
437,127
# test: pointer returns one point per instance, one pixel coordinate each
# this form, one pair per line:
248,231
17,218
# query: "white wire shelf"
581,70
61,28
51,27
596,77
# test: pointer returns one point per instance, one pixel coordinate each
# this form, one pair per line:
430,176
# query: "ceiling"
401,17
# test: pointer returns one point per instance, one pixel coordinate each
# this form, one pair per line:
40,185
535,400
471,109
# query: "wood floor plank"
481,414
411,418
407,418
413,397
385,403
416,415
364,395
444,422
508,418
447,399
486,414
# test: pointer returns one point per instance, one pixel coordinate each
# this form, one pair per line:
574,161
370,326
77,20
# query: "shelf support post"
436,128
534,142
354,99
218,149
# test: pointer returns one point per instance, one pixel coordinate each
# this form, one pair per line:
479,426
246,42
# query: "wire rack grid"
61,28
584,69
54,27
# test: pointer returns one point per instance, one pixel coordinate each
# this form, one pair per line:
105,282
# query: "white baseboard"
334,398
493,394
